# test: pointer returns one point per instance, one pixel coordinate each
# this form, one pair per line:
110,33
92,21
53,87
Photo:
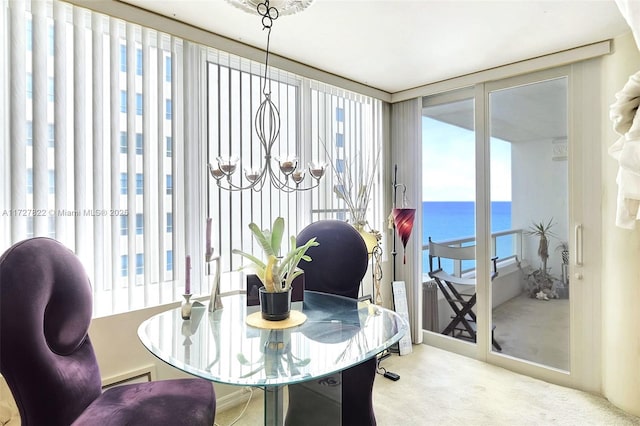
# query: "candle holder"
186,306
215,301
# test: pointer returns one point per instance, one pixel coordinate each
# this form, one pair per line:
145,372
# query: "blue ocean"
449,220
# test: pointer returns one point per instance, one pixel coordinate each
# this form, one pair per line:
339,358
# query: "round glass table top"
220,346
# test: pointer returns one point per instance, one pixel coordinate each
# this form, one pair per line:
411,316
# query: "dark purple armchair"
47,358
337,266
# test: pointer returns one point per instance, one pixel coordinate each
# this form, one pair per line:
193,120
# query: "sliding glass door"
513,155
448,204
528,168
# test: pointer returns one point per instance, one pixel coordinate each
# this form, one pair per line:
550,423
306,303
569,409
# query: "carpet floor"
437,387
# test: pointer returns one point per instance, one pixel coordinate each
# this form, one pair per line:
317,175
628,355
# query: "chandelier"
282,171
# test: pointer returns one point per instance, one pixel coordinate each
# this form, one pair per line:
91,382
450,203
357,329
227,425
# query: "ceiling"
393,45
532,112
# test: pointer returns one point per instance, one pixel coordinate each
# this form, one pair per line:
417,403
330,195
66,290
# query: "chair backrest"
337,266
339,262
45,310
438,251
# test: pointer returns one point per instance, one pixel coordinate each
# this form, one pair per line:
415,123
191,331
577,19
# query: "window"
124,225
139,62
123,58
123,142
168,109
155,139
139,224
124,265
139,103
329,108
123,101
167,69
169,260
169,179
139,183
139,144
123,184
139,264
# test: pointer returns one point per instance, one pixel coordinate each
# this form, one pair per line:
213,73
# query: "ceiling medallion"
284,7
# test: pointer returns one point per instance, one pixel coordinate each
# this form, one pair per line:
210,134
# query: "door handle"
578,241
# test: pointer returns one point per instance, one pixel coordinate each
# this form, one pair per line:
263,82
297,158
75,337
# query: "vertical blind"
100,181
108,127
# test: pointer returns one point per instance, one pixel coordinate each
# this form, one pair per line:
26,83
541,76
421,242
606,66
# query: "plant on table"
276,273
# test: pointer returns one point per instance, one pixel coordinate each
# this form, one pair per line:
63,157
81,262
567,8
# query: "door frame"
584,218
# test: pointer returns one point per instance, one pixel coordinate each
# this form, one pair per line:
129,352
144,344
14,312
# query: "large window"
344,128
101,178
120,184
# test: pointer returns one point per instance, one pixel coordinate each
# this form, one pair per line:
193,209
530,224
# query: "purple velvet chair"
47,358
337,266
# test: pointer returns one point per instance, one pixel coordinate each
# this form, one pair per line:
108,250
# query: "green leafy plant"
276,273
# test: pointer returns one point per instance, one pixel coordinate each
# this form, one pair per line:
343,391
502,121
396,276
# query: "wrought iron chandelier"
283,172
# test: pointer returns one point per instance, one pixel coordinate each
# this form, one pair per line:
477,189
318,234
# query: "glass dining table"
220,346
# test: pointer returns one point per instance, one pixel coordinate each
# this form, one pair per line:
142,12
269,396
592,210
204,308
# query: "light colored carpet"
441,388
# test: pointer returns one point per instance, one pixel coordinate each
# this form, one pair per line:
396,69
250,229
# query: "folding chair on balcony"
459,292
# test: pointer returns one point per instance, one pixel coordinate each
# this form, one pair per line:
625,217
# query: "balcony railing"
507,245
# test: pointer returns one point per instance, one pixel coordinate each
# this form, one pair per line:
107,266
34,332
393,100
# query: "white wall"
620,255
541,195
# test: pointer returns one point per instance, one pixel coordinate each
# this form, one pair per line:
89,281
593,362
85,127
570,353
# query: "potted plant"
540,281
563,248
276,273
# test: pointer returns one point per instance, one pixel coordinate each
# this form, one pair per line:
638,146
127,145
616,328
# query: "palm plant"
543,232
540,279
276,273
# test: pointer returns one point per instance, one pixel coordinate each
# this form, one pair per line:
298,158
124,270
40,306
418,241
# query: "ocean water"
449,220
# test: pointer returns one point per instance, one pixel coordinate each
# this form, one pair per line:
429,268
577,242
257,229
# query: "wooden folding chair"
463,320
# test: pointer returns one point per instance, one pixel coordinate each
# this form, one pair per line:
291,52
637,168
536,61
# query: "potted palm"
276,273
540,280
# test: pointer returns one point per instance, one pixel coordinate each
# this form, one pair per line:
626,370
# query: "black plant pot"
275,306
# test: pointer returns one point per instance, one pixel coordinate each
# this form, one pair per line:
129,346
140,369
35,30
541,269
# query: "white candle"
187,280
208,252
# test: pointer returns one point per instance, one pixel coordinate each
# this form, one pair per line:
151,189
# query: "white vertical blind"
17,79
87,146
110,126
406,153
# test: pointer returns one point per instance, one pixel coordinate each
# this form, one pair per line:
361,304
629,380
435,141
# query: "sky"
448,161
